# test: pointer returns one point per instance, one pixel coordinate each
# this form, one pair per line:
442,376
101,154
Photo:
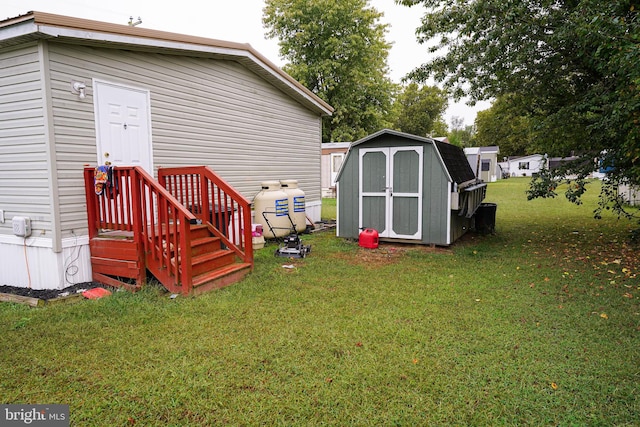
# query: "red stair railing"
214,202
136,205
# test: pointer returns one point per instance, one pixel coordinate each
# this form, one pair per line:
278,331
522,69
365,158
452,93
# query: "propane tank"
296,203
273,203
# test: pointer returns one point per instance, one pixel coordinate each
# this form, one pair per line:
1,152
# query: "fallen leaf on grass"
627,295
554,386
604,315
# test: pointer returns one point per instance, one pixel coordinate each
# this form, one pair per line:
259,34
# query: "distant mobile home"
78,93
630,194
333,154
484,162
408,188
523,165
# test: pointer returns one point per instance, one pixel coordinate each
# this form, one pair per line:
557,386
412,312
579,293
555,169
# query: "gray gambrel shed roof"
452,157
38,26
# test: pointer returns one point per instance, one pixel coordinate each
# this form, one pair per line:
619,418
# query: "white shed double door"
390,191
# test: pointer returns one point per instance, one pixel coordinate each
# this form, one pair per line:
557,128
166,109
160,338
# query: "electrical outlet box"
21,226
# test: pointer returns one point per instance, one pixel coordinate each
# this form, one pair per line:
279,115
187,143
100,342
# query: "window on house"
485,166
523,165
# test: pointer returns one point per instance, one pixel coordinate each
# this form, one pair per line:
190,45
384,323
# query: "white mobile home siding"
222,115
534,164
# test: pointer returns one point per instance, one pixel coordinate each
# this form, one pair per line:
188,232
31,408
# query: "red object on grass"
368,238
96,293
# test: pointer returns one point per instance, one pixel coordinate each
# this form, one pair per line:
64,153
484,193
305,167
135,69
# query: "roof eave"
64,27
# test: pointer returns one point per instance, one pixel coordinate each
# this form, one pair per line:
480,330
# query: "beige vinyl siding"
24,187
203,111
75,146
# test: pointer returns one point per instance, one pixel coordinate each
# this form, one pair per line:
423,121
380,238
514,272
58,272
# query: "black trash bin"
485,218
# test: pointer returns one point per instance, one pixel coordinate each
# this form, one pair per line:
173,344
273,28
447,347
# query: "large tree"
573,64
337,49
505,124
419,110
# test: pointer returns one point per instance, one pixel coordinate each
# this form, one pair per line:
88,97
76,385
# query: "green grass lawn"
538,324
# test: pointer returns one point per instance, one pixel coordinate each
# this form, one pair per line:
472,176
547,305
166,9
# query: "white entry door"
391,191
123,126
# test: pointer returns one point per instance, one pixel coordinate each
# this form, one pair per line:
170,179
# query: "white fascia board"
18,30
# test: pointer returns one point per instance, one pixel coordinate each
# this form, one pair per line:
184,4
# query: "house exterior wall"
435,195
24,187
535,164
476,156
27,183
326,172
630,194
325,175
203,111
492,175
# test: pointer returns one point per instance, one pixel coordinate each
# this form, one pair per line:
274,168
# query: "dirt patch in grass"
385,254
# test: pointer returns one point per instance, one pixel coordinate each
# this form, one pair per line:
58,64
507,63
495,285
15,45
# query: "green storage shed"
408,188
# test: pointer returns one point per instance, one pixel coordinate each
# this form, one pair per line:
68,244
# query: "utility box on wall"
21,226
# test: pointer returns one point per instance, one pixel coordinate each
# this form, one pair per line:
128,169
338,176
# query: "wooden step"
204,245
199,231
220,278
211,261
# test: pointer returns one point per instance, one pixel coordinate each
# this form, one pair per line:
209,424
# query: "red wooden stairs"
188,229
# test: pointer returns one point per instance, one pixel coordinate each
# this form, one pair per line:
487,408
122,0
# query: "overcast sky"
238,21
